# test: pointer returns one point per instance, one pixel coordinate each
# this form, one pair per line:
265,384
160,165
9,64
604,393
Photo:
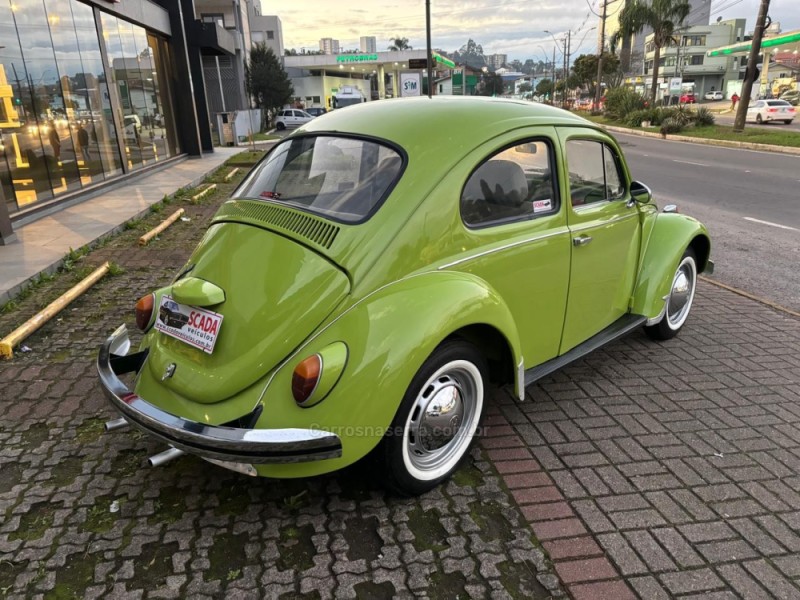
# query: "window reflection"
59,116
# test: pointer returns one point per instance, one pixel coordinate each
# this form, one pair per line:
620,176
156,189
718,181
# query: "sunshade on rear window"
341,178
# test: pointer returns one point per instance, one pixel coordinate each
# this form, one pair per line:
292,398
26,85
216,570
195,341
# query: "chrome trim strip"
521,380
501,248
232,444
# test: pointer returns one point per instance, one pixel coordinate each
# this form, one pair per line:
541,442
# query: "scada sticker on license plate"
195,326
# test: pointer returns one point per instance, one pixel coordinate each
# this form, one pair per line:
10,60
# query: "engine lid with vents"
276,293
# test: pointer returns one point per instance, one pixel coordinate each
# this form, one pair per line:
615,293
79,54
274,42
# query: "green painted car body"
376,298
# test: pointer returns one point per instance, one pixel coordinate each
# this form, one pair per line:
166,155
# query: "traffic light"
17,101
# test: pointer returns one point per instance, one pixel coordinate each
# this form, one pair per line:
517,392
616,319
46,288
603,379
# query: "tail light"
306,377
772,110
314,377
144,311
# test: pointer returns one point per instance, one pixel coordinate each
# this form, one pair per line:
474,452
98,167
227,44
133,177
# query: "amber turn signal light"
306,377
144,311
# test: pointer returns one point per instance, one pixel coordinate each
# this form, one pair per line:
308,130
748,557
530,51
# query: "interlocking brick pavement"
649,470
668,469
81,516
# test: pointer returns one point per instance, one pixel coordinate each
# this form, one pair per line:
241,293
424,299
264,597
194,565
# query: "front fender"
670,236
389,335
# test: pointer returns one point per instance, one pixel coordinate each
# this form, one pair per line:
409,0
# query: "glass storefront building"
85,96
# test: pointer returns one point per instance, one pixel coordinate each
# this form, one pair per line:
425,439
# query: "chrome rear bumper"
233,444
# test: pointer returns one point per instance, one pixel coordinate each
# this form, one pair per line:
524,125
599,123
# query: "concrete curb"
53,267
705,141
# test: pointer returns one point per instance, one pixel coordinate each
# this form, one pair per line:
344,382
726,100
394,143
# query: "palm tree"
663,17
399,43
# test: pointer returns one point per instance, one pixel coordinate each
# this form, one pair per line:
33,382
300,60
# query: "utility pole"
568,48
600,55
564,73
750,73
554,75
430,54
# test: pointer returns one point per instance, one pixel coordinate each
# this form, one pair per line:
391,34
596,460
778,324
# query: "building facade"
329,46
699,14
688,60
368,43
95,91
496,61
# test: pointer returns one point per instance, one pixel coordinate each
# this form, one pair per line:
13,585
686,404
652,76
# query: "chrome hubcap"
682,293
440,420
443,419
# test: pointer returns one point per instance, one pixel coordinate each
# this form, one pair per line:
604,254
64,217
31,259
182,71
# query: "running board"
619,328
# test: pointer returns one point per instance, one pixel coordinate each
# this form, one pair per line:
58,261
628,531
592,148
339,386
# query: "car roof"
441,122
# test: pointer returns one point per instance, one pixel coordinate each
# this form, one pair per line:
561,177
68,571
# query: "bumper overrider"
216,442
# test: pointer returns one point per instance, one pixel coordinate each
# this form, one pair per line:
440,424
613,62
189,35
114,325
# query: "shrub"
671,125
703,117
635,118
621,102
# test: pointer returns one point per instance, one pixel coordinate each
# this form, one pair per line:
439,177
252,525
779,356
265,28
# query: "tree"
585,68
491,85
662,16
524,88
544,87
471,54
399,43
267,83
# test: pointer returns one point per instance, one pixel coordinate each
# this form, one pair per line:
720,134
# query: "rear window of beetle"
341,178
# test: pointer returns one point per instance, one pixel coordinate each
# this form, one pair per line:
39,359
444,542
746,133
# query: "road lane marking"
772,224
686,162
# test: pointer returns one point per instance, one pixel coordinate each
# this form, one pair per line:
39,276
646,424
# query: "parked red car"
687,98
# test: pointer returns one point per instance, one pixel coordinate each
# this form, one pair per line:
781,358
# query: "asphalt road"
750,201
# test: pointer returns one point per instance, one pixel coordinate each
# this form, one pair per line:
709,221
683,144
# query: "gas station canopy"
789,41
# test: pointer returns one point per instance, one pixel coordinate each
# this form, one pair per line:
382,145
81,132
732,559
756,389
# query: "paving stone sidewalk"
81,516
672,469
646,470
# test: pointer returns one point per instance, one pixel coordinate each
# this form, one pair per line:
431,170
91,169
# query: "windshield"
344,179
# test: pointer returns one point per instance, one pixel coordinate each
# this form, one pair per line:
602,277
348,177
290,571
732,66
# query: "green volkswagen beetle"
384,265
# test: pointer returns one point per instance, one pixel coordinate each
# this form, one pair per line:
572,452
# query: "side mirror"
640,193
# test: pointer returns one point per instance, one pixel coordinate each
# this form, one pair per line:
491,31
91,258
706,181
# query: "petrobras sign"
410,84
356,58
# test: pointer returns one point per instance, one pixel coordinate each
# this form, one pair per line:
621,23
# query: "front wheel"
759,120
679,301
437,419
280,126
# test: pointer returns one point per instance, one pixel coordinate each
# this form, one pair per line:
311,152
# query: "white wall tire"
679,301
437,420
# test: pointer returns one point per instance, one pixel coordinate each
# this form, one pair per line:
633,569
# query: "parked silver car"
292,117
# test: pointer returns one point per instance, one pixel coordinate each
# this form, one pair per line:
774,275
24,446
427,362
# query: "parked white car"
292,117
717,95
764,111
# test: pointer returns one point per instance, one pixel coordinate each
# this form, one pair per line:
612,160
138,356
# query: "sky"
513,27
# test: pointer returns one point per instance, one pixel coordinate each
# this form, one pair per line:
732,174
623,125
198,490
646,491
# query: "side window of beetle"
594,172
512,185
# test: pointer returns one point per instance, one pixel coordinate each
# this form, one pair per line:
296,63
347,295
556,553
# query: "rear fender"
389,335
671,235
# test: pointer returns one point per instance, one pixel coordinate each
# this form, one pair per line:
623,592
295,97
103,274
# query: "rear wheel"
679,301
437,419
788,121
759,120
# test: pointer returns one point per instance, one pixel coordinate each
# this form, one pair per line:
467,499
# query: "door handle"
581,240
